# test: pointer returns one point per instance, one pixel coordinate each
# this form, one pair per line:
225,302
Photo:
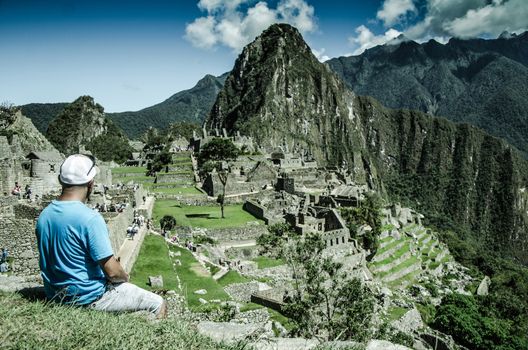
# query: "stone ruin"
399,216
242,142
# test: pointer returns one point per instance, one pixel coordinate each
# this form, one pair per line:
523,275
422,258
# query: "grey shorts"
127,297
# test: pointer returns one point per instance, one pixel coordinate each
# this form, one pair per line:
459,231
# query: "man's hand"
113,270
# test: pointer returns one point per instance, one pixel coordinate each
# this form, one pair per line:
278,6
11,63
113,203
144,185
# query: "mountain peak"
280,94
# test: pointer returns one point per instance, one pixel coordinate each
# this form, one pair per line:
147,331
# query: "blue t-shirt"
72,238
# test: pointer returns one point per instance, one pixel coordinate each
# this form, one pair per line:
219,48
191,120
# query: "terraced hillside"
406,254
175,180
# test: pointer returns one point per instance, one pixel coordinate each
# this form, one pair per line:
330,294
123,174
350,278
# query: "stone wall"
17,235
224,235
17,231
242,292
271,298
117,227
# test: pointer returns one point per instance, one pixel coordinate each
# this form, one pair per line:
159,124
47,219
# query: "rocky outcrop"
79,123
22,135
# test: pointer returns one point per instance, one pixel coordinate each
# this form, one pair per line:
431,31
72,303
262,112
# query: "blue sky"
132,54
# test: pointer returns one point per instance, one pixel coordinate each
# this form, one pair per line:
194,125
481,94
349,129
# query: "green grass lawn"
232,277
235,216
194,277
129,170
265,262
140,179
183,190
38,325
154,260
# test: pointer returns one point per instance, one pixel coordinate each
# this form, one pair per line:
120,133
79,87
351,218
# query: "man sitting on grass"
76,259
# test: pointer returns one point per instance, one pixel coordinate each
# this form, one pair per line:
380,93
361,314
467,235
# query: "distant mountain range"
482,82
191,105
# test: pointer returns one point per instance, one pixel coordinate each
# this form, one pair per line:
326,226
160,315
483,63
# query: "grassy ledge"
38,325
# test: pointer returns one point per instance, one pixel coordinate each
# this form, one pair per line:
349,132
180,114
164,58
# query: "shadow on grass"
33,293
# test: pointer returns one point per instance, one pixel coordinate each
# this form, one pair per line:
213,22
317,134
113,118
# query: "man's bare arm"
113,270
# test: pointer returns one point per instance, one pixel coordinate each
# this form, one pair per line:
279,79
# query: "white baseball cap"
78,169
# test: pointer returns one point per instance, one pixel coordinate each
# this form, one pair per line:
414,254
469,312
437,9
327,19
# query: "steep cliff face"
453,170
281,95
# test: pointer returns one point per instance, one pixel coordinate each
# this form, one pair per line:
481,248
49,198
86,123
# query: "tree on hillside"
212,155
368,213
167,223
153,138
325,302
160,161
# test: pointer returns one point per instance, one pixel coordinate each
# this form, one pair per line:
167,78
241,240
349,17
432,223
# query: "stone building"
244,143
324,221
44,168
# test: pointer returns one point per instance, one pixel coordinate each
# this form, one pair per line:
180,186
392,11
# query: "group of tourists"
112,208
17,191
137,222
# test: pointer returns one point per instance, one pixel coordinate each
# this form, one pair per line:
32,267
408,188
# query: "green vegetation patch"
250,306
232,277
38,325
129,170
183,190
396,312
265,262
154,260
391,245
411,261
404,249
193,277
235,215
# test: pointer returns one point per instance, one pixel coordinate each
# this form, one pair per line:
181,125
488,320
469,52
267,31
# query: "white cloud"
492,19
470,18
444,19
230,24
201,32
394,11
298,13
365,39
320,54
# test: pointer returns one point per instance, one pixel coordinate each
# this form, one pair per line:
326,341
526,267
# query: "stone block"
156,281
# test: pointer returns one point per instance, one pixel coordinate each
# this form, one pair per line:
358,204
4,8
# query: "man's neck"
72,196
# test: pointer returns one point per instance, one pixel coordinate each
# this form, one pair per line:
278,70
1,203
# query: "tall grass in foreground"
37,325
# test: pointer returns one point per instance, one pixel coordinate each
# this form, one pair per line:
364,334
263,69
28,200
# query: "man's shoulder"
77,210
